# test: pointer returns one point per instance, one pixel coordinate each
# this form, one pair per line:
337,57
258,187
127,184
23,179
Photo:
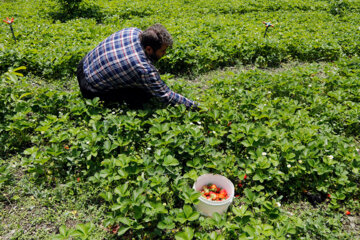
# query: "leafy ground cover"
207,34
133,170
74,168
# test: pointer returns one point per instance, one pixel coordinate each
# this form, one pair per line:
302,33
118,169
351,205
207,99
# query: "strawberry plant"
283,136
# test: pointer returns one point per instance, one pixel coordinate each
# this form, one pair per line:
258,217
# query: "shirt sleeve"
158,88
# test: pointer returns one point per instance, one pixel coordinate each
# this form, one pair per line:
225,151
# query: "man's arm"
160,90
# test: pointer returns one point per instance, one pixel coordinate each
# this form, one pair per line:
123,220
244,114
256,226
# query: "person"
121,68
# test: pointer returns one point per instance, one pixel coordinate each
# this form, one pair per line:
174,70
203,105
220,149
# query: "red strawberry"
223,191
245,177
221,196
329,196
213,188
347,212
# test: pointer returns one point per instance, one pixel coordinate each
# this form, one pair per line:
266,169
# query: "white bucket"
207,207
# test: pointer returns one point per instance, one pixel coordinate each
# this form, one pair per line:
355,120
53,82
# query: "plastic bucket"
207,207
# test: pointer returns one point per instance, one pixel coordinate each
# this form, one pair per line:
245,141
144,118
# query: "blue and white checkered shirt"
120,62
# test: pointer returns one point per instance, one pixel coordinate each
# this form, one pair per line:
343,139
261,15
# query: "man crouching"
121,68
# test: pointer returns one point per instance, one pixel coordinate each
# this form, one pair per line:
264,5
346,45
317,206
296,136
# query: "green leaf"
250,195
24,95
107,146
170,161
188,211
122,190
250,230
166,223
188,234
122,230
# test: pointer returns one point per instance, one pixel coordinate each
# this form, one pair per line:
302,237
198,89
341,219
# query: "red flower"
347,212
268,24
8,21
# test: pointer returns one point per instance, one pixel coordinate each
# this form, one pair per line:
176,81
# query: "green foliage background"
289,130
207,34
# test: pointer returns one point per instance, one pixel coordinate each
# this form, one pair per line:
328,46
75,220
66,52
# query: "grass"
32,211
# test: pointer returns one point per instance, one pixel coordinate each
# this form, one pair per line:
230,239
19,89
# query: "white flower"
270,177
289,166
87,142
113,112
309,85
331,156
300,161
269,92
278,204
199,123
191,123
264,153
149,148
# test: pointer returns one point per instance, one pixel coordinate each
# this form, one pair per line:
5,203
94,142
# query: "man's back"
117,61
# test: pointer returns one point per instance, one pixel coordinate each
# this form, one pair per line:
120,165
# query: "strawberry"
329,196
213,196
347,212
245,177
221,196
206,191
223,192
213,188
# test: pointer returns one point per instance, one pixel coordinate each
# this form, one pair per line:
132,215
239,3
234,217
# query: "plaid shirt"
120,62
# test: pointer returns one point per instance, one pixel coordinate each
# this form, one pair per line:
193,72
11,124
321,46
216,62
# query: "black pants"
135,97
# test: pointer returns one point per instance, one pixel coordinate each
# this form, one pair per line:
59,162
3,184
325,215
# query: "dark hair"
155,36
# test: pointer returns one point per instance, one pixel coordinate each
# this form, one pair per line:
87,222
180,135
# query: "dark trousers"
135,97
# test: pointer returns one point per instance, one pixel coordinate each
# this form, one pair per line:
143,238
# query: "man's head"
155,40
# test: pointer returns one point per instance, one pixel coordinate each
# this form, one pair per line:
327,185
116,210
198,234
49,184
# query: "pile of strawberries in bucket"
214,193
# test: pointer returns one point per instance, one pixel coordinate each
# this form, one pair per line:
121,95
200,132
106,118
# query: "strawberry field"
280,118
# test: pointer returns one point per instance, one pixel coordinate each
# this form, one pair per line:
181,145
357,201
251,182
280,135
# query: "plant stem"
12,31
265,31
